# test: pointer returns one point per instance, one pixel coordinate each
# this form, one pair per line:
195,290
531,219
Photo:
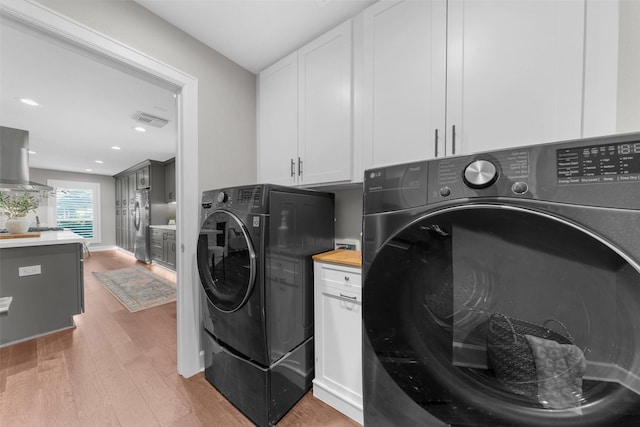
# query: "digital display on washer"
618,162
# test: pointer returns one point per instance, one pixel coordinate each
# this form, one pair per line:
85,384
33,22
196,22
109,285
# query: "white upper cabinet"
460,76
278,122
324,94
404,66
514,73
305,113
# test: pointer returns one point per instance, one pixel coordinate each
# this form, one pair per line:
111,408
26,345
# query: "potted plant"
16,205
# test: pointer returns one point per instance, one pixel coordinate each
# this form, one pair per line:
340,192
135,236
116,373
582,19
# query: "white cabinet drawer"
348,295
341,277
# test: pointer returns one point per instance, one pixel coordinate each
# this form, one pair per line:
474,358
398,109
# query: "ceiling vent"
150,120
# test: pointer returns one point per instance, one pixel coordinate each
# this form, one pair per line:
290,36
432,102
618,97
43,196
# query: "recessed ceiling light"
88,170
29,102
99,161
140,129
115,148
32,152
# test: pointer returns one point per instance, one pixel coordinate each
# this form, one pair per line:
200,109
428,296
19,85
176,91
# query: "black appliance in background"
531,233
254,261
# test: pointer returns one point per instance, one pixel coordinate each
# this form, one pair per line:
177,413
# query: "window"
77,207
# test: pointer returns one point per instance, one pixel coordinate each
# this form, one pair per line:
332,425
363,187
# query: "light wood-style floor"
119,369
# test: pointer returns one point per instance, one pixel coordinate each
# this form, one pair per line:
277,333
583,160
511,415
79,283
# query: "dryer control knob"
222,197
480,174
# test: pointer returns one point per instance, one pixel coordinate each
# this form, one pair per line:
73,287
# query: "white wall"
227,92
629,67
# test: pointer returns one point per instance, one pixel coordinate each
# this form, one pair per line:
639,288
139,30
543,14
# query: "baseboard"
342,403
102,248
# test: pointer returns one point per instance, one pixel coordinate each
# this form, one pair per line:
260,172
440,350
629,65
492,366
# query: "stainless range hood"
14,161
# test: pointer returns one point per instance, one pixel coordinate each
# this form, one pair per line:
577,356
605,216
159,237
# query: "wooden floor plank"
118,368
161,398
90,397
21,402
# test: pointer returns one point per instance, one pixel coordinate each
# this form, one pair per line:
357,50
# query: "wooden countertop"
341,256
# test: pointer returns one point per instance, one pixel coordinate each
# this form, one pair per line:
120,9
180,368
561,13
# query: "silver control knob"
222,197
480,174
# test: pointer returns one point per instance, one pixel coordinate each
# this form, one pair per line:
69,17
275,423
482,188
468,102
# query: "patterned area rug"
137,288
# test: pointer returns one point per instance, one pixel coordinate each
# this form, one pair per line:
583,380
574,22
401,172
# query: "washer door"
432,354
226,261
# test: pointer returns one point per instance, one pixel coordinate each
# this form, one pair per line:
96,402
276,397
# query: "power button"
445,191
519,187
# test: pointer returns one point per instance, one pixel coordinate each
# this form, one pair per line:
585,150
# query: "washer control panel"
600,171
501,173
248,199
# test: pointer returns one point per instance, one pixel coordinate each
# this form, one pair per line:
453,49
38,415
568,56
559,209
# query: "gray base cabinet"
163,247
43,302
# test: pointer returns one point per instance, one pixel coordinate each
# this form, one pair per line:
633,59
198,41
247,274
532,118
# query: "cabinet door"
143,178
170,252
278,125
514,72
339,349
324,114
170,181
403,81
157,244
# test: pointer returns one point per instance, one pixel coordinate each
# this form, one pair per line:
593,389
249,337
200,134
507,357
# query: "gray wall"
348,213
227,92
107,200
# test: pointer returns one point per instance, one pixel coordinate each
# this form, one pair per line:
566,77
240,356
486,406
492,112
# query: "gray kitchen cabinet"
170,249
170,180
148,175
157,244
47,286
163,247
142,178
124,238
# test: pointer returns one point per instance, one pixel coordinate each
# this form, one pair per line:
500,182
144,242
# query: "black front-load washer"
254,259
464,261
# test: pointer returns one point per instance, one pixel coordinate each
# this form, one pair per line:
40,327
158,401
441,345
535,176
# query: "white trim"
188,306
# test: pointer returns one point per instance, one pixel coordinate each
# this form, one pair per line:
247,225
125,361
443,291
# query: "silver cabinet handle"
436,143
299,166
453,139
347,296
293,165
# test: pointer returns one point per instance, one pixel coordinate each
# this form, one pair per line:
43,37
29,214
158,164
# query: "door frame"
189,358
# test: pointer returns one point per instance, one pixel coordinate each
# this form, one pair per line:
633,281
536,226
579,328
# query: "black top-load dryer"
254,260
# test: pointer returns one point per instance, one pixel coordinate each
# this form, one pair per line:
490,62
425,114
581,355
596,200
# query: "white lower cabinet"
338,338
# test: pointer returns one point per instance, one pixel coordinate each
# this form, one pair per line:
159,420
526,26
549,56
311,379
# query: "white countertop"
46,238
164,227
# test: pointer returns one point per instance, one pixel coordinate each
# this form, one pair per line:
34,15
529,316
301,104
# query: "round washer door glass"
226,261
456,309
